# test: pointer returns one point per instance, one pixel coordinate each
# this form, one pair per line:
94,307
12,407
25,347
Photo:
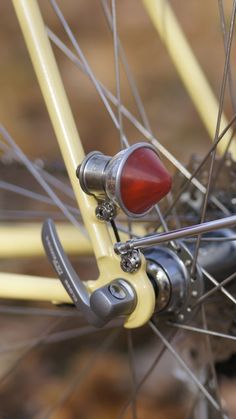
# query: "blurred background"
38,384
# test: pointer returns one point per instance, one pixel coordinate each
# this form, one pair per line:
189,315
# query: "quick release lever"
112,300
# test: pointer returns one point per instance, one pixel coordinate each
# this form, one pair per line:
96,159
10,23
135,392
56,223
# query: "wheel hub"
170,273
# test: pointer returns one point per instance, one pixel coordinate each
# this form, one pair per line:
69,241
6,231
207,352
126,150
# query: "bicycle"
163,285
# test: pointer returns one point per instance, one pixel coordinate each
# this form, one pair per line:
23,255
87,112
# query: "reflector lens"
144,181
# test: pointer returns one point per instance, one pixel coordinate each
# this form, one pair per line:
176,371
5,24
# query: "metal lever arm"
69,278
104,304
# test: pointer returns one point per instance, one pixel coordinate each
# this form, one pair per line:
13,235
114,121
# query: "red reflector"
144,181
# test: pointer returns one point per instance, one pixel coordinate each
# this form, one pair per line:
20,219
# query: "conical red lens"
144,181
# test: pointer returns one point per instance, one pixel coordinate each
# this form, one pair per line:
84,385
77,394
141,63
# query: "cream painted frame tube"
24,240
33,288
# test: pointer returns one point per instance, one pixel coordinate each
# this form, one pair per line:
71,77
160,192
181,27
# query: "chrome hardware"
131,261
161,284
170,274
106,211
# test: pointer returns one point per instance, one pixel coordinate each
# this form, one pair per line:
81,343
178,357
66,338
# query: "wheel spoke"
128,72
51,179
202,331
145,377
9,214
22,157
212,239
117,73
197,170
221,288
224,33
34,311
28,349
57,183
85,64
231,89
164,225
57,337
217,132
184,366
33,195
210,360
226,281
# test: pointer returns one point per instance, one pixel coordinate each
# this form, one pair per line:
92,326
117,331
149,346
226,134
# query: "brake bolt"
131,261
106,211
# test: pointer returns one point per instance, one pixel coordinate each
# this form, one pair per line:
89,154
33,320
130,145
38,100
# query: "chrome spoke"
173,210
22,157
117,72
217,131
51,179
226,281
33,195
197,170
184,366
192,412
210,360
56,183
231,89
164,225
25,192
145,378
27,350
86,66
57,337
9,214
128,72
202,331
221,288
212,239
34,311
224,33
